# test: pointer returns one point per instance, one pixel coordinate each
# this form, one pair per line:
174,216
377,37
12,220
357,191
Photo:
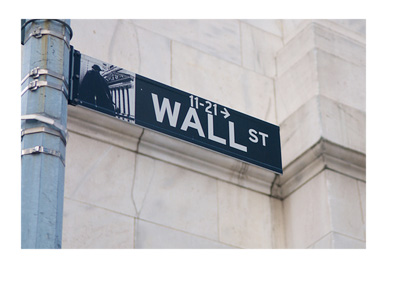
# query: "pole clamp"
44,129
36,72
40,32
34,85
44,150
57,126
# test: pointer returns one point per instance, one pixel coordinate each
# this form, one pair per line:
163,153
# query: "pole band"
44,129
33,20
48,121
36,72
40,32
44,150
34,85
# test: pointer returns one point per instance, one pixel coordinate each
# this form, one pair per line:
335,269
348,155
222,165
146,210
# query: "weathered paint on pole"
43,124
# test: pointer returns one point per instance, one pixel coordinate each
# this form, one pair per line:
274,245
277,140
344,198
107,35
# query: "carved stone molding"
173,151
323,155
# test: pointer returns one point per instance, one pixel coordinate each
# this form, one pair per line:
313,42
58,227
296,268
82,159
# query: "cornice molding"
146,142
322,155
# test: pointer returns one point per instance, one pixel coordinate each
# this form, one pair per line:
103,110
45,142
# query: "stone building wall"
128,187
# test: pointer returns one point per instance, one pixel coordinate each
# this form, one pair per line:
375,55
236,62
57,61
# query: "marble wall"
324,189
159,195
126,187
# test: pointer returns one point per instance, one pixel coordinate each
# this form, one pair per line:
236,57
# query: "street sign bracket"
74,74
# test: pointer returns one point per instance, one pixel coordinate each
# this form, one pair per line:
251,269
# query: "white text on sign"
192,120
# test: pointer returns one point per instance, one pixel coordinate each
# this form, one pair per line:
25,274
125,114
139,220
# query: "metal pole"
44,92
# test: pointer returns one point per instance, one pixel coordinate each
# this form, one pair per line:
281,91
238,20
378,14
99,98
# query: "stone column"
320,100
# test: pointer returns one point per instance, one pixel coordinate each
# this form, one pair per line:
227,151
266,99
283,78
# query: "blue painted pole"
44,90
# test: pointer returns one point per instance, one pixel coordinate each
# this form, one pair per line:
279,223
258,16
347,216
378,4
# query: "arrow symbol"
225,112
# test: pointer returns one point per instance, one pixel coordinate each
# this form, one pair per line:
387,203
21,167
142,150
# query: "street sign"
153,105
206,123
